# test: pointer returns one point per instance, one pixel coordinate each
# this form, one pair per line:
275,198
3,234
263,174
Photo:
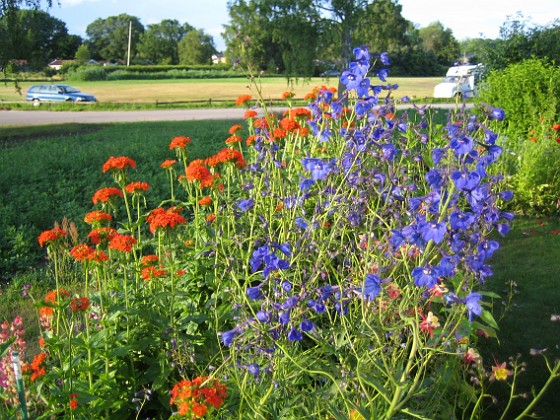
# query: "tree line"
292,37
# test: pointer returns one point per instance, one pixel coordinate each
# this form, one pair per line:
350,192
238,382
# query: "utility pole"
129,39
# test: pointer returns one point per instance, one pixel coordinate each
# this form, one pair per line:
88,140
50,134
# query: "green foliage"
159,42
196,47
108,38
441,42
529,92
86,73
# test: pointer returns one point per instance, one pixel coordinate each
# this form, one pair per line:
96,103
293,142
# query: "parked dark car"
52,93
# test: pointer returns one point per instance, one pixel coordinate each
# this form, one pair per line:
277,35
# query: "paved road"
94,117
56,117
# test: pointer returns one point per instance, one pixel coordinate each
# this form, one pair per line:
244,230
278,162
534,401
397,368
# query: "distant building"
57,64
218,58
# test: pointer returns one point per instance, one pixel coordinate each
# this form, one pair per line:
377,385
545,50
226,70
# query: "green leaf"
488,318
4,347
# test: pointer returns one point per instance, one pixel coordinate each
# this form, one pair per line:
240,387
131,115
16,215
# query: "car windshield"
68,89
450,79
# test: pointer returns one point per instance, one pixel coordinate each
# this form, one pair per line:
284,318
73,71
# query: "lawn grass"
530,257
50,172
150,91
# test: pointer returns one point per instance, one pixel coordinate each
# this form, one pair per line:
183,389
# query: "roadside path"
97,117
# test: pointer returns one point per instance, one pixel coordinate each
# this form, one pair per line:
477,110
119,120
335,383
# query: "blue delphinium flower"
371,287
384,57
472,301
228,336
361,53
363,88
306,325
382,74
295,335
264,317
461,145
497,114
350,80
425,276
254,369
487,248
245,204
465,180
434,231
254,293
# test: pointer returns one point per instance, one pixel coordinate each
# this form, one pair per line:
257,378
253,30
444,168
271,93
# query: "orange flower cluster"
288,95
81,252
149,260
234,129
37,368
243,99
73,401
204,201
179,142
97,216
193,397
54,295
233,140
197,171
79,304
165,218
51,236
122,243
294,113
227,155
152,272
105,194
135,187
103,234
250,113
118,163
168,163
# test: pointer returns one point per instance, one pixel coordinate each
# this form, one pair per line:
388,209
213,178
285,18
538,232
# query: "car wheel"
458,95
36,102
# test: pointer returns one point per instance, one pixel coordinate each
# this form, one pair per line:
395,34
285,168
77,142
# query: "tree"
160,42
345,17
41,37
441,42
108,38
82,54
8,41
249,38
196,47
382,27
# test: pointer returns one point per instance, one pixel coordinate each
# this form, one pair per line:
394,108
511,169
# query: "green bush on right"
529,94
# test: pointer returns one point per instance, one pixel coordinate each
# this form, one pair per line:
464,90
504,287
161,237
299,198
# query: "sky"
466,19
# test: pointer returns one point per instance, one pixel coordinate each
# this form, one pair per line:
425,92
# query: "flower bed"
329,267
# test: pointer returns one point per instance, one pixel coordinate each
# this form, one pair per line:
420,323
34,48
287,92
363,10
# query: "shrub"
87,73
529,93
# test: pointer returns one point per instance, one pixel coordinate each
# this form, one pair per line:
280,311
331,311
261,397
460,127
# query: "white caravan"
459,81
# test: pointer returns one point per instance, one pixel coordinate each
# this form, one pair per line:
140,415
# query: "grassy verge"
528,263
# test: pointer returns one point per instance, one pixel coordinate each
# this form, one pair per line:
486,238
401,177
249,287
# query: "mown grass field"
150,91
